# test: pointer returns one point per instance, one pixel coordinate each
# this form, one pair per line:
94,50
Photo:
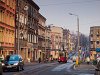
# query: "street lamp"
77,33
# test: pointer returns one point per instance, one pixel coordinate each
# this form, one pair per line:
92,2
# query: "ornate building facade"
7,26
94,41
27,29
56,41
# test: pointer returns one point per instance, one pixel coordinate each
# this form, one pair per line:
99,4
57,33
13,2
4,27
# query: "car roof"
16,55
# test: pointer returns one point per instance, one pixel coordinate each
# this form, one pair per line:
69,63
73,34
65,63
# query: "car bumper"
62,61
10,67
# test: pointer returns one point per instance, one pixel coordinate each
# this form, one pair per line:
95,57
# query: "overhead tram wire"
70,3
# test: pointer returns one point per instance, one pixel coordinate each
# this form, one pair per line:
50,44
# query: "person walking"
88,60
39,60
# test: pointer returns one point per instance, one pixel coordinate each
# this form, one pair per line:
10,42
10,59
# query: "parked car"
62,59
13,62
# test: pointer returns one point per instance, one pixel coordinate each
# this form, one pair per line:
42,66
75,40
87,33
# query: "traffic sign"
97,49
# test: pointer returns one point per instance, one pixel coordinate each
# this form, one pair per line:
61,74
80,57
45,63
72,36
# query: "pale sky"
57,12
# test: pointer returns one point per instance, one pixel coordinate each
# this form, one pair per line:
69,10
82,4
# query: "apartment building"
27,12
56,41
7,26
41,37
33,19
47,41
94,41
21,28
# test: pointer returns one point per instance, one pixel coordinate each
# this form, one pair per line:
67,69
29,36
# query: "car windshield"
13,58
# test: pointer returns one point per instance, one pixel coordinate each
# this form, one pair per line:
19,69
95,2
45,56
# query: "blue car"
13,62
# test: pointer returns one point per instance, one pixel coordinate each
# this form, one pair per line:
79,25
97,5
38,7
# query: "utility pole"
77,35
18,28
45,41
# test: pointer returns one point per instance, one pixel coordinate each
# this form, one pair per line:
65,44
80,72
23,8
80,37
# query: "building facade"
56,41
33,18
21,28
41,37
94,40
7,26
47,41
27,29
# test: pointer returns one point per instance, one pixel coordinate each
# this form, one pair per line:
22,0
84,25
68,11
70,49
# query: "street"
51,69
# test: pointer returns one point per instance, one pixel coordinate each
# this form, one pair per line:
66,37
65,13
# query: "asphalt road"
50,69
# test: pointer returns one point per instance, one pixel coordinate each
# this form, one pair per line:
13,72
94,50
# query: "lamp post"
77,34
45,42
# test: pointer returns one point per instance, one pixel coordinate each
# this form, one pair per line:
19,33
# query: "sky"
57,12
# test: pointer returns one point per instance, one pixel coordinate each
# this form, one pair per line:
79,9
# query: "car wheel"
0,73
18,68
22,67
59,62
4,70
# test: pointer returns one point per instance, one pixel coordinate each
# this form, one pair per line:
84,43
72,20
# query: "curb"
74,67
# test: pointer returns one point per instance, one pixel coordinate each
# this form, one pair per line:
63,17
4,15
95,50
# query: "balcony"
2,1
41,44
92,49
41,37
2,6
92,46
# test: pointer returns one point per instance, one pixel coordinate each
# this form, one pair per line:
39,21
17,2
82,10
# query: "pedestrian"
39,59
88,60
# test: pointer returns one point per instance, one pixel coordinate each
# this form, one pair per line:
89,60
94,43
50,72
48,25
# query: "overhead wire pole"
78,39
78,36
18,48
45,41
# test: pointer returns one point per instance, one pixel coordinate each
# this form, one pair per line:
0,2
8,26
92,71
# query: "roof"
34,4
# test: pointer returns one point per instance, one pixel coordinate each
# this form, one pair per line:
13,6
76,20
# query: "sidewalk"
85,66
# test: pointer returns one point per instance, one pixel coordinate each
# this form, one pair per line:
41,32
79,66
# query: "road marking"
63,66
86,74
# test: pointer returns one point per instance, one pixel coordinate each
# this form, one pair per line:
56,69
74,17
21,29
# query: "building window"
7,2
32,38
35,38
91,35
28,38
98,34
0,15
91,42
56,37
97,42
25,20
3,1
1,34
